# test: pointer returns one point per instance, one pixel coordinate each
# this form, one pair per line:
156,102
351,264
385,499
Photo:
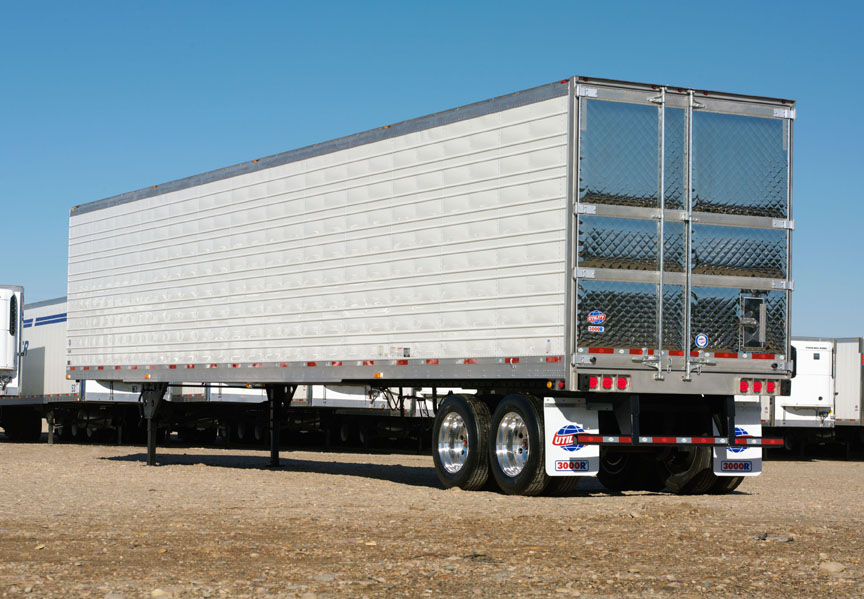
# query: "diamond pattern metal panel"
619,157
617,243
739,165
674,165
673,247
630,311
734,251
673,316
715,312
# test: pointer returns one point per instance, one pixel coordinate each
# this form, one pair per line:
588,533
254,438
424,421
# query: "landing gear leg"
151,398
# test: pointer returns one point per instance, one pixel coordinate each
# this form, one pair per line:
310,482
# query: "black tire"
562,486
531,478
725,484
619,470
688,471
473,472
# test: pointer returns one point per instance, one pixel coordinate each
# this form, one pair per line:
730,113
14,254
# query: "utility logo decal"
564,437
596,317
740,433
701,340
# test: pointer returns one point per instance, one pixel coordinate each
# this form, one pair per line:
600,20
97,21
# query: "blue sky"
100,98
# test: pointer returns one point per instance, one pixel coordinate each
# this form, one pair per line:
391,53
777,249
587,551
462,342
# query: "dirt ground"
94,521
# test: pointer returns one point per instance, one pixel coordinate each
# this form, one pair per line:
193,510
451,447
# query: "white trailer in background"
826,398
600,263
37,347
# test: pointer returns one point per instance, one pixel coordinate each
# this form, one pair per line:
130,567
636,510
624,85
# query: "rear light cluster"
757,387
608,382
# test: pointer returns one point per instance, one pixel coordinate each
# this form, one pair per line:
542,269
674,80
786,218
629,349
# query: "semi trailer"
598,267
825,404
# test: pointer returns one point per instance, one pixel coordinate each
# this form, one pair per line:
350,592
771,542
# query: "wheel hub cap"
453,442
512,444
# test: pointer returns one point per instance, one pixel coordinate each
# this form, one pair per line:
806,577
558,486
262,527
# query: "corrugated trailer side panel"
44,363
847,408
444,242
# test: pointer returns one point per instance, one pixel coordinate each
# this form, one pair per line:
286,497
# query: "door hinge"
779,223
587,92
583,273
577,359
784,285
586,208
785,113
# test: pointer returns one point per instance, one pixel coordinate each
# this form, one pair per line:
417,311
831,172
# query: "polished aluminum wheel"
453,442
511,444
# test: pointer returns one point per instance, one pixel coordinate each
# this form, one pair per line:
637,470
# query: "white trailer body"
826,394
590,240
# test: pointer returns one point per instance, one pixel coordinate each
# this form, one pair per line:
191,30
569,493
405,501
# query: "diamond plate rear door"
711,179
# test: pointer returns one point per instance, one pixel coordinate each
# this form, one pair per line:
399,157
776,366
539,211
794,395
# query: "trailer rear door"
697,187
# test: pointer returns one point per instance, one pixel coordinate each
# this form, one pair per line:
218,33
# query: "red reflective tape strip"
311,364
86,368
401,362
283,364
235,365
676,352
552,359
100,368
727,355
190,365
133,368
589,438
71,368
337,363
741,441
470,361
368,362
511,360
694,354
601,350
432,361
772,441
257,365
625,439
664,440
762,356
117,367
173,366
703,440
213,366
635,352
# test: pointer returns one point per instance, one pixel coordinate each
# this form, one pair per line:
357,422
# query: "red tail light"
757,386
622,383
771,387
593,382
745,387
607,382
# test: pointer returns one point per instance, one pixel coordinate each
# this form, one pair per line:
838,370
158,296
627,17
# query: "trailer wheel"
516,451
619,470
725,484
562,486
688,471
460,439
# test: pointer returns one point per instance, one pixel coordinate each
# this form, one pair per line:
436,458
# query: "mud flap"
563,418
742,460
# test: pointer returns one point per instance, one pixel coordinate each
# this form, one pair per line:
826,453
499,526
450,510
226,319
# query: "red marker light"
757,386
745,386
560,384
622,383
607,382
771,387
593,382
